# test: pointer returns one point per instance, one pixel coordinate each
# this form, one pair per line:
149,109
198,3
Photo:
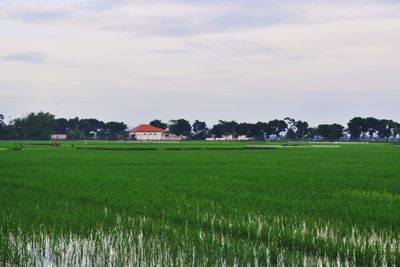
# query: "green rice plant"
196,207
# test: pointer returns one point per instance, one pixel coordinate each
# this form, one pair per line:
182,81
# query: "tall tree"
62,126
35,126
291,130
73,129
159,124
331,132
356,126
266,129
252,130
180,127
371,126
385,129
80,128
244,128
259,131
313,133
114,130
2,123
90,125
277,127
297,130
2,127
217,130
302,129
396,130
199,129
228,127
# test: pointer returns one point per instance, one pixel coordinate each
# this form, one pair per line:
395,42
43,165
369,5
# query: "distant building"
173,137
147,132
58,137
93,134
230,138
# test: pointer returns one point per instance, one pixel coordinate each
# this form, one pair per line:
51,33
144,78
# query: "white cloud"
26,57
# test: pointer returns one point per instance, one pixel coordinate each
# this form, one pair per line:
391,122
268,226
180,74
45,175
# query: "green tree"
224,128
259,130
73,131
356,127
90,125
385,129
114,130
396,130
217,130
35,126
266,129
252,130
228,127
291,131
277,127
244,128
2,127
371,126
2,123
159,124
312,133
62,126
297,130
200,130
180,127
331,132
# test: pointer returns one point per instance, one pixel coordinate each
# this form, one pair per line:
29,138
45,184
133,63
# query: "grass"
302,206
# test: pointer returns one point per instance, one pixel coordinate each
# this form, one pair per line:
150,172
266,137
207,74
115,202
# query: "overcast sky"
244,60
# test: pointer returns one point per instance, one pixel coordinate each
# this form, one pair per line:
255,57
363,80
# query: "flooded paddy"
303,207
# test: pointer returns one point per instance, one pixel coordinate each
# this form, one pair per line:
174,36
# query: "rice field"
199,204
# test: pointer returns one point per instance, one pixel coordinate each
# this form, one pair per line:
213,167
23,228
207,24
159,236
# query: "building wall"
229,138
148,136
58,137
155,136
173,137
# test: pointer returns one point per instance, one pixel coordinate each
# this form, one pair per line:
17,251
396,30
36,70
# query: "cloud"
149,18
42,16
26,57
187,18
36,13
171,51
255,59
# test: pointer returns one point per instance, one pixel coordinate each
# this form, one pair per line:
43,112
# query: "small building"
93,135
230,138
173,137
58,137
147,132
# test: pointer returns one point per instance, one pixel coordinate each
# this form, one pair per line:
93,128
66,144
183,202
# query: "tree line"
41,125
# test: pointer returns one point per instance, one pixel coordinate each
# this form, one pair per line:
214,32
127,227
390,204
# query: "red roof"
146,128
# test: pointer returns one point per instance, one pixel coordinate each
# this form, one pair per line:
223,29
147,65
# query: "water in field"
255,241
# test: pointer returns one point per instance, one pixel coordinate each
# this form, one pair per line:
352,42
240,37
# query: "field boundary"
175,148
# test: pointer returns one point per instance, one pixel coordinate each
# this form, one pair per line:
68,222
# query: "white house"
147,132
58,137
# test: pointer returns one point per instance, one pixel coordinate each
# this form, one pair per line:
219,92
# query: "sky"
321,61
